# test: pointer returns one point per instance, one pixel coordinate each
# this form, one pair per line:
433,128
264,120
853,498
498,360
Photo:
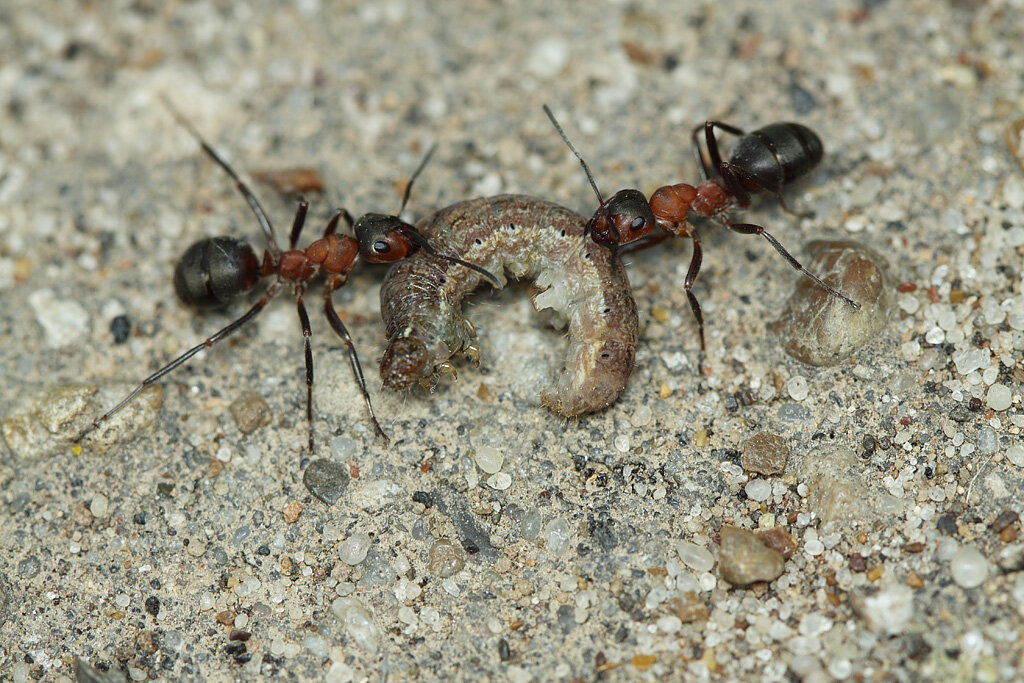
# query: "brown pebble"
483,393
214,468
1009,534
292,511
778,539
914,547
765,453
914,580
250,412
743,559
821,329
145,641
300,180
688,607
643,662
227,617
876,573
858,563
286,565
239,635
1003,520
834,599
862,538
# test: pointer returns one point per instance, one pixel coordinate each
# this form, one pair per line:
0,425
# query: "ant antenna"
415,174
565,139
250,198
425,245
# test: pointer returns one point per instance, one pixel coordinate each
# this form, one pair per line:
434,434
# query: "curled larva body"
520,237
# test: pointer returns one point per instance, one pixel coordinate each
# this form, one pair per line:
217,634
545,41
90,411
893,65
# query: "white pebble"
642,416
695,557
889,610
911,350
489,459
968,567
814,547
354,548
908,303
121,600
548,58
99,505
1015,454
622,443
999,397
63,320
758,489
499,481
797,388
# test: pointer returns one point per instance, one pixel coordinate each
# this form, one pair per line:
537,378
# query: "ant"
215,270
766,159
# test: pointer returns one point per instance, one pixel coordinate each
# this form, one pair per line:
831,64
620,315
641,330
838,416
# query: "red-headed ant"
765,160
215,270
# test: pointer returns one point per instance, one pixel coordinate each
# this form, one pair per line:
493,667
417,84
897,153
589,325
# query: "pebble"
758,490
359,623
446,558
98,506
354,548
1015,454
820,329
797,388
64,321
743,559
489,459
889,610
999,397
499,481
765,453
557,534
969,567
326,479
250,412
695,557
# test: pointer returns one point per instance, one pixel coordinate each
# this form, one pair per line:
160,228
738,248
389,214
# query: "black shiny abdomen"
215,270
776,155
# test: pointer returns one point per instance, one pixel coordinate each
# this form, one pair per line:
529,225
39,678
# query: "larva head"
384,239
215,270
623,218
404,363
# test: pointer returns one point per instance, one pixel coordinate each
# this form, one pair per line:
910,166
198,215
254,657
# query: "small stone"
1003,520
688,607
64,321
999,397
797,388
446,559
359,623
98,506
743,559
968,567
1011,558
821,329
695,557
354,548
780,540
489,459
914,580
326,479
758,490
292,511
889,610
250,412
765,453
499,481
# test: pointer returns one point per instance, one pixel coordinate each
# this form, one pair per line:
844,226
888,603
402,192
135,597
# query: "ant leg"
250,198
332,225
300,220
749,229
307,334
357,370
738,174
644,243
691,277
712,144
210,341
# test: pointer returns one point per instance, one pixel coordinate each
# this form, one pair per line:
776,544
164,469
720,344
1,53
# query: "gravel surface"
195,537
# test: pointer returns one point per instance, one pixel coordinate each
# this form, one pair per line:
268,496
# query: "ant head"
384,239
623,218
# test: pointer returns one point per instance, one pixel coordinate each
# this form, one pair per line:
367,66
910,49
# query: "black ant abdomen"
776,155
215,270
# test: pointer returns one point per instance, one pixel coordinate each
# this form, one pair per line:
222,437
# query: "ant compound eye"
381,247
637,223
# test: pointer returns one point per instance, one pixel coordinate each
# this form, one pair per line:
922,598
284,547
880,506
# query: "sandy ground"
195,552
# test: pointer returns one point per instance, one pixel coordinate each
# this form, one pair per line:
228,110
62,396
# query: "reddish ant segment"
213,271
765,160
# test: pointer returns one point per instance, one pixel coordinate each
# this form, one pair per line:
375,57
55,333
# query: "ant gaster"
765,160
215,270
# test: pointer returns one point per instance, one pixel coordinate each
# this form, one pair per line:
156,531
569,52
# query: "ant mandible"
215,270
767,159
